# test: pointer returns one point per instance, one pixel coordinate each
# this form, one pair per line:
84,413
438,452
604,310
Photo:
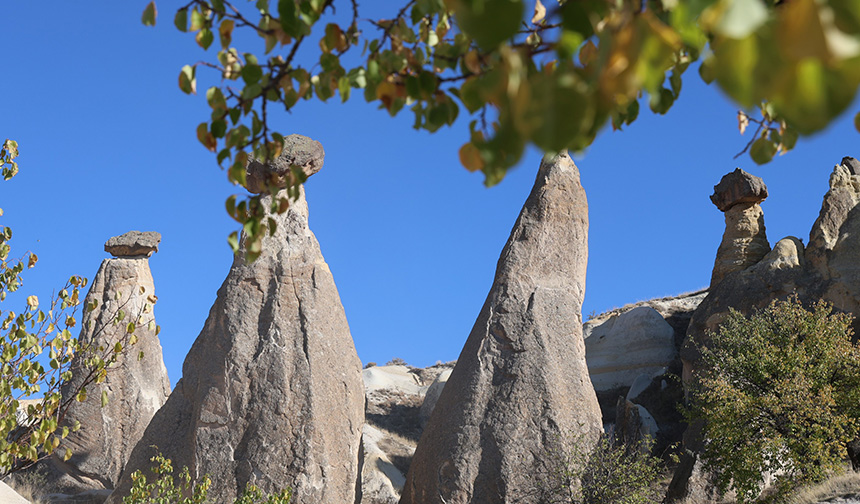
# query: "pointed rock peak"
300,152
486,441
738,187
133,244
852,164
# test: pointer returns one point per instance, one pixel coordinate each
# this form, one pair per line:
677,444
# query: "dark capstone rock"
301,152
852,164
133,244
738,187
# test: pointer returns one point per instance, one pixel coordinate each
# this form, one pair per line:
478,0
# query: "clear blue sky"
108,145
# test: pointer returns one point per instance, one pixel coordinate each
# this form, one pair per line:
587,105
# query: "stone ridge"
133,244
659,304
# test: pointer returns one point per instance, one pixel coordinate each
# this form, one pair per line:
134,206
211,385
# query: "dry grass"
30,486
840,485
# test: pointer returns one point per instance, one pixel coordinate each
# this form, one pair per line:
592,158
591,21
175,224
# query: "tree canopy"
526,73
780,394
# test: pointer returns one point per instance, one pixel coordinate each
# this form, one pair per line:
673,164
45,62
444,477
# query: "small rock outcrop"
650,384
744,242
432,396
271,391
395,398
623,347
133,244
137,386
521,385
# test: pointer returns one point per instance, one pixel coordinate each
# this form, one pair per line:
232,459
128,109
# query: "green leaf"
762,151
857,122
198,20
789,138
181,20
149,15
187,80
204,38
233,241
661,102
252,74
490,22
291,23
104,398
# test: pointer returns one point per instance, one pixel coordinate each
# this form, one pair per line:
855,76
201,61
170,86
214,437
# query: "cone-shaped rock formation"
136,385
520,386
271,392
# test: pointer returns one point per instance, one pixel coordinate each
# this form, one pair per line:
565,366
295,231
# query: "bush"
165,490
611,472
780,394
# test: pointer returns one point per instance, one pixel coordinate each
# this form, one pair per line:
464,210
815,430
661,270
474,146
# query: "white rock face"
381,480
395,397
9,496
625,346
432,395
391,377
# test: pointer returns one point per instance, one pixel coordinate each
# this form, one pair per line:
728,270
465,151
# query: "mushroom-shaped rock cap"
738,187
852,164
299,151
133,244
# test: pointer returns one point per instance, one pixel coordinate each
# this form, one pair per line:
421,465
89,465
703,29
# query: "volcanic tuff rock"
396,395
828,269
521,382
744,242
621,348
133,244
271,390
136,387
301,152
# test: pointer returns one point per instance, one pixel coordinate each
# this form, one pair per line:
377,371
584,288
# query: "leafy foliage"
166,490
553,77
612,471
780,393
35,338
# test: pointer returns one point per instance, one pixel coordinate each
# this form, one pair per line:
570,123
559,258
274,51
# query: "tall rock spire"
271,392
520,387
136,385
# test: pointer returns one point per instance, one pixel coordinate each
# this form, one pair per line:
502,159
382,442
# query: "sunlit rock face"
271,391
828,268
136,386
521,383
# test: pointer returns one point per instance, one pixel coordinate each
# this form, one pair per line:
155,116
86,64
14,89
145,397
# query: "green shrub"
780,394
166,490
611,472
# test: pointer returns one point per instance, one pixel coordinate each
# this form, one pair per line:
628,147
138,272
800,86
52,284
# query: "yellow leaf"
32,301
743,121
540,12
470,157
